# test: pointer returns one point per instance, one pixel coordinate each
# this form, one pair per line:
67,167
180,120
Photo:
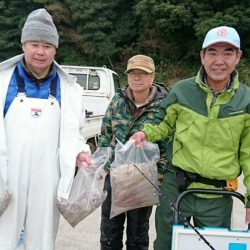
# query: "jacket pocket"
182,134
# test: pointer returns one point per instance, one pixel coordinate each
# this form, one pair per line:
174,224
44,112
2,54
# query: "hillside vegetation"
109,32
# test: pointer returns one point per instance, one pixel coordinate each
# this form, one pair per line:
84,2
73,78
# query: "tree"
98,32
10,28
179,27
12,17
106,28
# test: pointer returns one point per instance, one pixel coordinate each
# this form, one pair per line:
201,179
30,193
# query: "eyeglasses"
138,74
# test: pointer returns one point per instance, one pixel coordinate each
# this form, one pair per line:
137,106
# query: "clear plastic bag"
131,173
4,196
87,193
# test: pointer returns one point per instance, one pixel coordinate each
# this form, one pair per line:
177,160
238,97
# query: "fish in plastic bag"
130,175
87,193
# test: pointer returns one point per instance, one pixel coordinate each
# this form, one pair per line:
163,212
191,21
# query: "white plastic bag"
4,196
130,175
87,193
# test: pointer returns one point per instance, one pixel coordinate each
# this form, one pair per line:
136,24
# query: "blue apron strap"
21,85
53,86
20,82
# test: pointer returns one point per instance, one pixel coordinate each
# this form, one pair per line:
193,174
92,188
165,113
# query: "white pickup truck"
98,87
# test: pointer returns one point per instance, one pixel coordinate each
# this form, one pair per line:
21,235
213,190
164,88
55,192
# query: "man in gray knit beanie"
43,113
39,26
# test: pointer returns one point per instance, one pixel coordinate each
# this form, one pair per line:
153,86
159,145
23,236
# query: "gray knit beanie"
39,27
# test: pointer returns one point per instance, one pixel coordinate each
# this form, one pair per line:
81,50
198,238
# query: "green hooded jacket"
212,140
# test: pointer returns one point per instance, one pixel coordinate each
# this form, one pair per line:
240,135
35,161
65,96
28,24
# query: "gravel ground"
85,236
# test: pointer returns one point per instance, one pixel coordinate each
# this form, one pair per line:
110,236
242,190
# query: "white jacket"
72,117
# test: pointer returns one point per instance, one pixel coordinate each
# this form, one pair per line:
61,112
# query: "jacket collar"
199,79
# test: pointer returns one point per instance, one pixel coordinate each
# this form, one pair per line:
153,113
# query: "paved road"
85,236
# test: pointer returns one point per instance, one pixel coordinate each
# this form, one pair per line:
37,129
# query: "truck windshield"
93,81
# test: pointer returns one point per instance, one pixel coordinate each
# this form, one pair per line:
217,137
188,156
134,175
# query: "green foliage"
71,48
107,33
169,73
171,24
12,17
175,29
244,71
104,27
10,33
